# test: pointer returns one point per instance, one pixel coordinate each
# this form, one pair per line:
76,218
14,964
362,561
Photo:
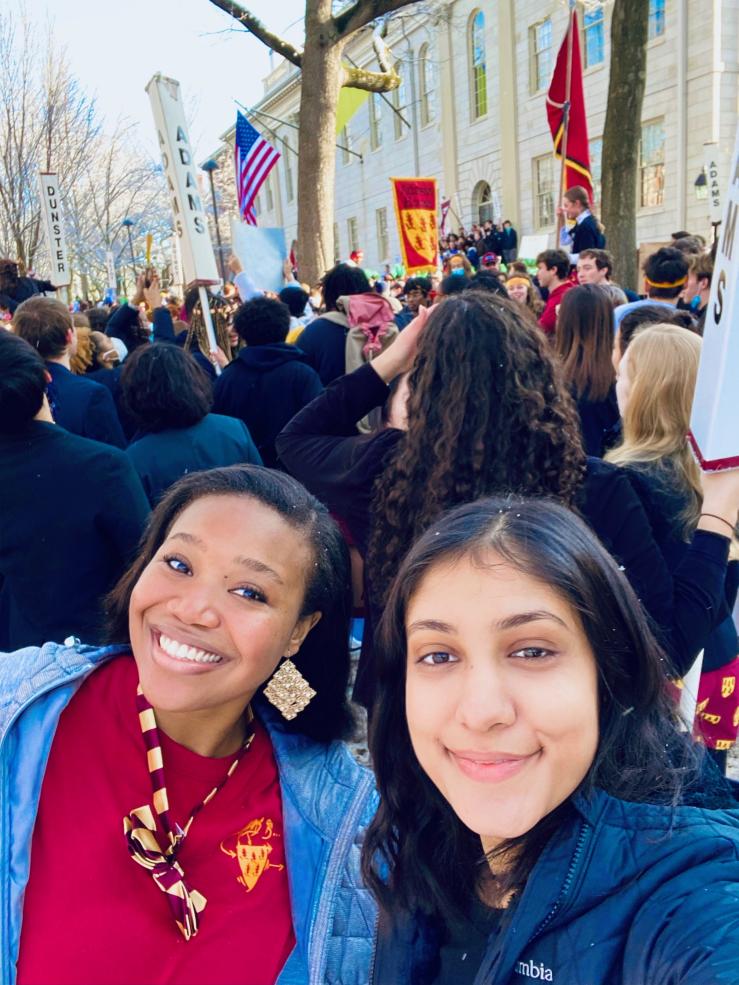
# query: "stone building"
471,113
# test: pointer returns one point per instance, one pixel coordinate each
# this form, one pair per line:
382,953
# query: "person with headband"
542,816
665,276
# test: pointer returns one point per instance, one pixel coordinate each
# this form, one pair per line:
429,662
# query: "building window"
652,164
656,19
544,191
540,49
482,202
375,117
478,67
381,225
594,31
287,158
426,85
596,156
352,233
337,244
269,194
399,102
345,144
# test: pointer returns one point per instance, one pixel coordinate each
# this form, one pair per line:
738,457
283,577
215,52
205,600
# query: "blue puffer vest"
328,800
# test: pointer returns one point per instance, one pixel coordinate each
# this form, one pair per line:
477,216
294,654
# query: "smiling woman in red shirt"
179,833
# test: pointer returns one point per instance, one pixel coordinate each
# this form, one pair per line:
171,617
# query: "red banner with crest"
416,210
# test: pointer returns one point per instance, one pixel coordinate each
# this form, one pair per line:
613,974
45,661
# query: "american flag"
254,159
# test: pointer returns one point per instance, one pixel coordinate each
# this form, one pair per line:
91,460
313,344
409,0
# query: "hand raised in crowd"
218,357
138,294
399,357
153,293
287,271
235,265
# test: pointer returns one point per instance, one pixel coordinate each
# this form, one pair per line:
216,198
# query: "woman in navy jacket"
541,815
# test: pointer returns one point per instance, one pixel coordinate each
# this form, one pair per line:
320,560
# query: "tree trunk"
321,65
622,134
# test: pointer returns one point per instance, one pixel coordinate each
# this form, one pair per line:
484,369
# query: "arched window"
482,202
426,85
478,65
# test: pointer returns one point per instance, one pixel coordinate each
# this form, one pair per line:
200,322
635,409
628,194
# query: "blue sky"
115,48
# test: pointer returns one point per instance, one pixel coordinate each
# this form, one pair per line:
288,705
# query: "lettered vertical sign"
713,424
715,209
110,270
53,220
188,213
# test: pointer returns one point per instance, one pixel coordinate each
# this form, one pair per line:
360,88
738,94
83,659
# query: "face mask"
458,272
695,303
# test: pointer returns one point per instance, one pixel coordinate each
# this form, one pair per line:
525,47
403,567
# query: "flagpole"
566,118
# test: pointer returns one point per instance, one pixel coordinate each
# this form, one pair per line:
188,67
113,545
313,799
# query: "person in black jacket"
78,404
488,413
324,340
167,396
71,513
586,233
584,343
14,290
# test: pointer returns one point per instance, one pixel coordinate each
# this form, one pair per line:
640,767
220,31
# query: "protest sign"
190,221
262,252
188,212
532,245
53,222
713,425
416,211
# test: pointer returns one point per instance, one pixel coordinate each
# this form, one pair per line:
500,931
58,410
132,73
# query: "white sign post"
188,213
53,220
715,211
713,425
110,271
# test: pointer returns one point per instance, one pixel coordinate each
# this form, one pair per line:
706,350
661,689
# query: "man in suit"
586,233
71,513
78,404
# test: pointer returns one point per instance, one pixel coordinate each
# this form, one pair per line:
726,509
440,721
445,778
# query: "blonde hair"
84,355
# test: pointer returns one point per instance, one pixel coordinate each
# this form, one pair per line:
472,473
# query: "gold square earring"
289,691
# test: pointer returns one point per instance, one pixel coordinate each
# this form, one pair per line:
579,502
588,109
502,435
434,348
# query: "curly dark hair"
163,387
417,854
488,412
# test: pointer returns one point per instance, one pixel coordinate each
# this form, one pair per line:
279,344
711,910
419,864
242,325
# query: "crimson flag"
577,150
416,211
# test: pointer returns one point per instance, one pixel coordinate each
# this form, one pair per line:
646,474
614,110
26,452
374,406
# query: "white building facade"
471,113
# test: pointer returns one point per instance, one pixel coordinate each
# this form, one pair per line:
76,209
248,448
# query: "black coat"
265,386
25,288
71,514
164,457
586,235
322,449
84,407
323,342
599,421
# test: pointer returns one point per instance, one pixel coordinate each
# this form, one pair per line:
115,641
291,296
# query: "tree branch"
254,26
363,12
386,80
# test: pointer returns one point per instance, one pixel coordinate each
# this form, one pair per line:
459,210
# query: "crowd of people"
480,480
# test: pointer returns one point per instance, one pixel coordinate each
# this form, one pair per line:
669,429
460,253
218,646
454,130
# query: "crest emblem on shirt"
252,855
727,686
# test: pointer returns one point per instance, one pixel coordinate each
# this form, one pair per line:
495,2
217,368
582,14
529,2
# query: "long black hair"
418,855
323,658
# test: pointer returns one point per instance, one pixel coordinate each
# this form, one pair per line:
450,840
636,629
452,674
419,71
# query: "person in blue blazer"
78,404
542,817
586,233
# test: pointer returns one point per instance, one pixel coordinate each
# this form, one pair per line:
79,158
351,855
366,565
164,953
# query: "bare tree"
48,123
323,75
622,133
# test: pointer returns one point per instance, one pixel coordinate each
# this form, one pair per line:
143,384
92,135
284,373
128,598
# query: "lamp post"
209,167
128,223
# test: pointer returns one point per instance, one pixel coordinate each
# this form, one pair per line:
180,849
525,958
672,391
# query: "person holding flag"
569,127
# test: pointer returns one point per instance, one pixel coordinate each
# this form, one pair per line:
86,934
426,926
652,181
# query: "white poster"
262,251
715,211
110,271
190,221
713,425
53,221
175,261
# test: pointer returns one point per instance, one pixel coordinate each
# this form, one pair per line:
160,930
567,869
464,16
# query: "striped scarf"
140,826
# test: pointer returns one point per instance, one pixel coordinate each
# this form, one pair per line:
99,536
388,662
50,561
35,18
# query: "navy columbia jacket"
624,894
